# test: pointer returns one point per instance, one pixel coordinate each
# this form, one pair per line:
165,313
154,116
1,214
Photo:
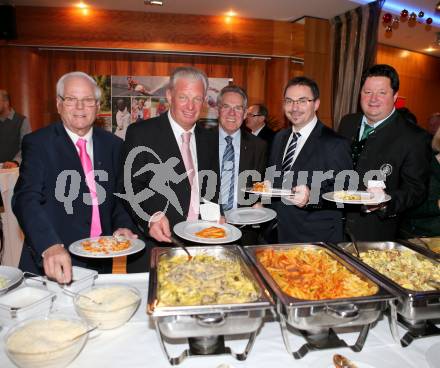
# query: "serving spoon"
72,293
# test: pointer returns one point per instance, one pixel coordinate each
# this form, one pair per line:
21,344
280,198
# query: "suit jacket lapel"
282,147
66,150
307,149
244,163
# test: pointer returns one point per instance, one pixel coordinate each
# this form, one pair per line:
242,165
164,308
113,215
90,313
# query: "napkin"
209,211
376,188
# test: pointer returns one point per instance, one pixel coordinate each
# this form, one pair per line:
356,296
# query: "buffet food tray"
427,246
412,305
318,317
415,309
205,324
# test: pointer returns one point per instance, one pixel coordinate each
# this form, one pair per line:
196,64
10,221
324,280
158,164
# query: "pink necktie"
95,228
193,213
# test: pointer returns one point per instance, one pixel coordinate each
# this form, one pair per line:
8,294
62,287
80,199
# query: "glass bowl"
107,306
46,342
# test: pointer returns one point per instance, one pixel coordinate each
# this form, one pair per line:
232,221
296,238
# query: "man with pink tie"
171,140
65,191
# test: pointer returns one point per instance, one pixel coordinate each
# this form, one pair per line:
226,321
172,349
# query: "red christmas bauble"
429,21
404,13
387,17
413,16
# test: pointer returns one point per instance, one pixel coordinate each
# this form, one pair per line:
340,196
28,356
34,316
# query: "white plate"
76,248
366,198
13,275
273,192
249,215
187,229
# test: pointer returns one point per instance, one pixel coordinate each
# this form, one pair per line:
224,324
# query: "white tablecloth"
12,233
136,345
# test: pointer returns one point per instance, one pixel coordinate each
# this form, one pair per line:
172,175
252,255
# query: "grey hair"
62,81
232,89
188,72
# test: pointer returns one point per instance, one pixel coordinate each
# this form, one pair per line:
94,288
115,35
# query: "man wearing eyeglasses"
67,179
301,154
389,149
239,150
174,151
256,121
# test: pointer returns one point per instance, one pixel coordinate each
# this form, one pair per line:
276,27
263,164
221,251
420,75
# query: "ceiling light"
153,2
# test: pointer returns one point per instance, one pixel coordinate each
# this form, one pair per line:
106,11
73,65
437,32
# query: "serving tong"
181,245
353,241
71,293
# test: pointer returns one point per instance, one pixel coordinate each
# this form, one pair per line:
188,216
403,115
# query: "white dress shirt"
88,137
375,125
178,131
305,133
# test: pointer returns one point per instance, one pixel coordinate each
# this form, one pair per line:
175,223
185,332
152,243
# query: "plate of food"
106,247
356,197
264,189
10,277
207,232
249,215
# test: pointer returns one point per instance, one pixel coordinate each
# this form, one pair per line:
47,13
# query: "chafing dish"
315,319
415,310
206,325
427,246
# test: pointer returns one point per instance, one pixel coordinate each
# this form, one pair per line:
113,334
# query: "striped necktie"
228,176
290,153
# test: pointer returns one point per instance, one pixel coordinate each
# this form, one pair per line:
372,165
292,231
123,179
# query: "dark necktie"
288,158
368,129
228,176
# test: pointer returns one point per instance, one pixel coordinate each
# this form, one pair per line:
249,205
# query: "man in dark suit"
387,147
52,213
173,151
256,121
302,154
249,152
244,153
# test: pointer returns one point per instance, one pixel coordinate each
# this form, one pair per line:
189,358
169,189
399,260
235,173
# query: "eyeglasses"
73,101
237,109
254,115
300,102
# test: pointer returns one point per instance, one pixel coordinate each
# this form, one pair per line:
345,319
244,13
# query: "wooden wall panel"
275,82
317,63
419,79
156,31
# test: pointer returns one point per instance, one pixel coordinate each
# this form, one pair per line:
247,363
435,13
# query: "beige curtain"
354,43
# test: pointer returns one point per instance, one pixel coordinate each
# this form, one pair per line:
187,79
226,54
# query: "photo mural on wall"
129,99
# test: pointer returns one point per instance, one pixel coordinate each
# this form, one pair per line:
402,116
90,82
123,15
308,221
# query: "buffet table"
13,236
136,345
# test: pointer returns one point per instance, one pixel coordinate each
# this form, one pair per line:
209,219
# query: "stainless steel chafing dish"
315,319
206,325
415,309
427,246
